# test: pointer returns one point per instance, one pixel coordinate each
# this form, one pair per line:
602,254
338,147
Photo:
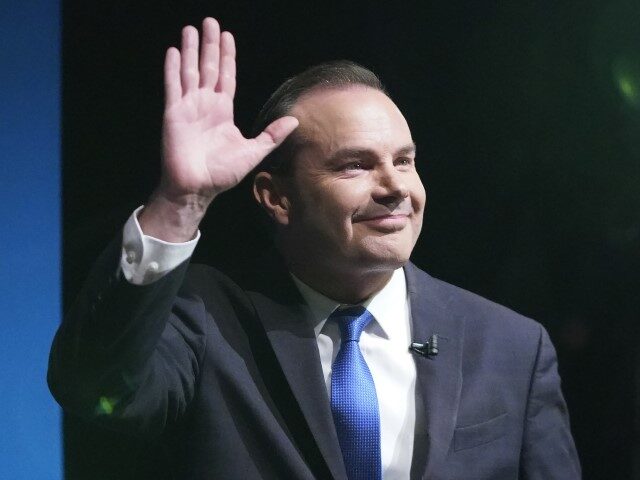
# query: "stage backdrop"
527,120
30,438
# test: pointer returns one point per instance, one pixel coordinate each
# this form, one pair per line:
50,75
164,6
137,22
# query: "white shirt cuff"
146,259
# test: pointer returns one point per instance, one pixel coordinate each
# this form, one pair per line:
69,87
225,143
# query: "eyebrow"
362,152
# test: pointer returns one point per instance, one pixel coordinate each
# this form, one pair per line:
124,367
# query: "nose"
391,184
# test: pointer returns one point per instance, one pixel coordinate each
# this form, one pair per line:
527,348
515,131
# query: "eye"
404,161
353,166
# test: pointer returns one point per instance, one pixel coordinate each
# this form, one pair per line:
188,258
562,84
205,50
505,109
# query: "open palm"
204,153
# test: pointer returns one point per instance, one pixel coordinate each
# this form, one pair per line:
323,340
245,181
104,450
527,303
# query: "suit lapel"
439,378
288,325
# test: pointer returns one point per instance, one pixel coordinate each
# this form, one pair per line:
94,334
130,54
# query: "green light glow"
628,88
105,406
626,73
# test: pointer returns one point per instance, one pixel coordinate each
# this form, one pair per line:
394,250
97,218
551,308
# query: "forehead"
355,116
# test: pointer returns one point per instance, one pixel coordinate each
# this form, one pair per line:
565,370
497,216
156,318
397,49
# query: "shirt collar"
383,305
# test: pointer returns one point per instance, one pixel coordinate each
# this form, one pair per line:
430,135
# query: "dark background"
526,115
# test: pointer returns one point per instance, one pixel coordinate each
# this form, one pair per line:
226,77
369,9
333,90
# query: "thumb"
276,132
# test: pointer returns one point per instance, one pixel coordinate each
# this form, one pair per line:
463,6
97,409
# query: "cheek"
338,201
328,215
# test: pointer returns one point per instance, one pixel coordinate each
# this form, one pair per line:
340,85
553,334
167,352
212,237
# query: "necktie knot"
352,321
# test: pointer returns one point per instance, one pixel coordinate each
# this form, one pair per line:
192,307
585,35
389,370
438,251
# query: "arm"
121,356
548,450
127,354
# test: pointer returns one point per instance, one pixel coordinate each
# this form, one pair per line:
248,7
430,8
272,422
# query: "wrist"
173,219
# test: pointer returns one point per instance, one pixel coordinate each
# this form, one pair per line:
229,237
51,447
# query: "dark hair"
335,74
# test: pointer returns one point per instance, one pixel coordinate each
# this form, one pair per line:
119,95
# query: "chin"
387,252
384,259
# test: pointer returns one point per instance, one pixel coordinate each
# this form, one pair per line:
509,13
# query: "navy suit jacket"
225,374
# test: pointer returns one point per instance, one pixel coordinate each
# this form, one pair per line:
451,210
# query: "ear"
269,192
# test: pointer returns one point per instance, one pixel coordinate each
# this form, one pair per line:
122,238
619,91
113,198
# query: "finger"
172,87
276,132
209,58
189,59
227,78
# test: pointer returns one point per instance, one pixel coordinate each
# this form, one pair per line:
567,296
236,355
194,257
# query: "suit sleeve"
125,355
548,449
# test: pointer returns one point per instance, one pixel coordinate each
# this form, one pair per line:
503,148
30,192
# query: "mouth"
386,222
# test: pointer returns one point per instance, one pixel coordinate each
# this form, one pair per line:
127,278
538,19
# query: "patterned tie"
354,402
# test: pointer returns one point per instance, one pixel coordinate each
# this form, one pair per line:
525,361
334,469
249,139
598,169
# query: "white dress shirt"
384,342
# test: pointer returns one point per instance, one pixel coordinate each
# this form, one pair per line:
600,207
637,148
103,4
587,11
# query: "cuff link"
131,257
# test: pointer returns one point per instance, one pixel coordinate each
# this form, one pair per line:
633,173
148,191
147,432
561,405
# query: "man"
300,367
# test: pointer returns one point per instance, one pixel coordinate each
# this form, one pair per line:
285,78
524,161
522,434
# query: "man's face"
356,200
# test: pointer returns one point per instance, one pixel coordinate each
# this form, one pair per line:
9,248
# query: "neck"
343,287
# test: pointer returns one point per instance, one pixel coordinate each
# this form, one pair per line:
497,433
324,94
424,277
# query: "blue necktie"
354,402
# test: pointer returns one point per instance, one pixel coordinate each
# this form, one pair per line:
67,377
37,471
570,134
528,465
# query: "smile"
387,222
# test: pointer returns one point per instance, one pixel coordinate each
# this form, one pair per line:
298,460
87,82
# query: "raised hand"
204,153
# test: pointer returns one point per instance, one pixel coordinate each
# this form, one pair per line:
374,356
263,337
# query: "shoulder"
208,289
238,288
482,317
201,278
